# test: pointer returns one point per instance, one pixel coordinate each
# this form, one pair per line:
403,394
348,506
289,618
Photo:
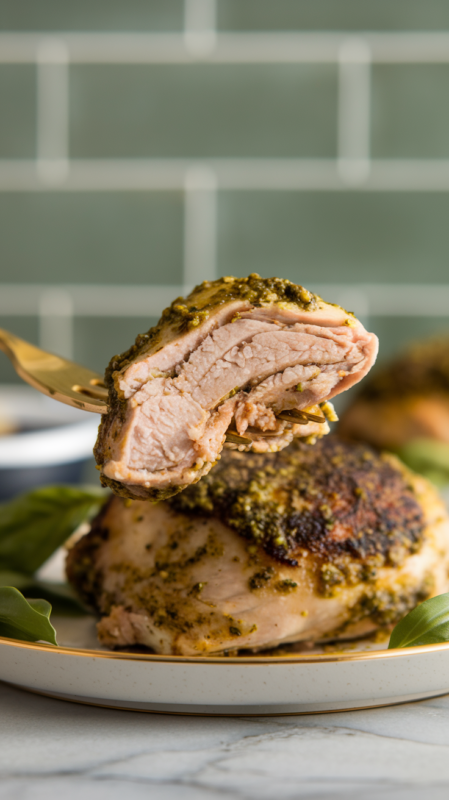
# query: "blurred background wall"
148,145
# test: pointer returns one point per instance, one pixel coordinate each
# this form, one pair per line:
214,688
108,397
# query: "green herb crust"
385,606
331,498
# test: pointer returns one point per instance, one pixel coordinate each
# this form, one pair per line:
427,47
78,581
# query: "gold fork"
77,386
55,376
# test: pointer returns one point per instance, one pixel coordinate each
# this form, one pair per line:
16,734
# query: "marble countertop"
53,749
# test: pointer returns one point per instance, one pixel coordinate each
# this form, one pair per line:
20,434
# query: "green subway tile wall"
395,333
168,15
410,108
91,15
332,237
110,155
204,110
17,111
337,15
97,340
95,237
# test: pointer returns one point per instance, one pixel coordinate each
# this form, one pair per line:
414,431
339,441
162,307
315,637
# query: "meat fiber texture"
322,542
232,355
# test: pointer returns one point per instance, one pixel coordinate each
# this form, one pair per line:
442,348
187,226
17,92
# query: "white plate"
349,677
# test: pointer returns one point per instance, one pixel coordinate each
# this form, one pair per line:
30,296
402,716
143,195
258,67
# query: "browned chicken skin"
313,542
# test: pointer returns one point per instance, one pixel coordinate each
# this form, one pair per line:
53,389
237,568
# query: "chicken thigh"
313,542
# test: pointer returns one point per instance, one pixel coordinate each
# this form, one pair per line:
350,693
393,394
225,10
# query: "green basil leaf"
428,623
26,620
17,579
428,457
34,525
60,595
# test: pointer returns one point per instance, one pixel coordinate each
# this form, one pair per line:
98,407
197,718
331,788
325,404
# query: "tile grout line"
230,174
200,27
200,183
52,149
200,41
354,110
200,226
56,322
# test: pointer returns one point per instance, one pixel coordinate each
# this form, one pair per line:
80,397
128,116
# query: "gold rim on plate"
234,660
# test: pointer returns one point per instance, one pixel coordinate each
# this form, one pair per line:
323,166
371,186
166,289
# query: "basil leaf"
60,595
17,579
34,525
28,621
428,623
428,457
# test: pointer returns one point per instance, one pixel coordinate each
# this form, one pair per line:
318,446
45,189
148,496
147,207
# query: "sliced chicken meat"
314,542
231,357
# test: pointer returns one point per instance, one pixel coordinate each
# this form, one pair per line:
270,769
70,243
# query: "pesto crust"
331,498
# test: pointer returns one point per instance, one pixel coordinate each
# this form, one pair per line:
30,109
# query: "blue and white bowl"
53,442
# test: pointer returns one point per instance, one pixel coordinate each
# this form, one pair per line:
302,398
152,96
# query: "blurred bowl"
50,442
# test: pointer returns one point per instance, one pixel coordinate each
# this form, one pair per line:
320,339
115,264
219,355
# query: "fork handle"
11,345
55,376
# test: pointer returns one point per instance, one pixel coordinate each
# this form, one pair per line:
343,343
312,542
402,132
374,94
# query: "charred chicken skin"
316,542
234,355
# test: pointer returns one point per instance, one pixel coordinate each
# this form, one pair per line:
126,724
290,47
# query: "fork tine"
95,391
300,417
292,416
314,417
235,438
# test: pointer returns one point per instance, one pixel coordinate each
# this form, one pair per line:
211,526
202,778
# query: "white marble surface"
53,749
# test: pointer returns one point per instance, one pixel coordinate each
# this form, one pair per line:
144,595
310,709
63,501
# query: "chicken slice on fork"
252,358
